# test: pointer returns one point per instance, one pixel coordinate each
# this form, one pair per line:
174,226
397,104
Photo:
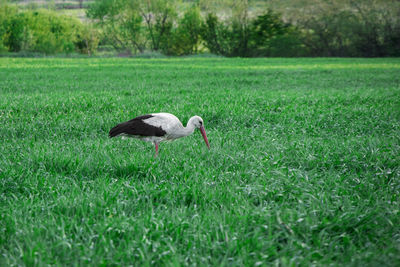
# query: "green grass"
304,164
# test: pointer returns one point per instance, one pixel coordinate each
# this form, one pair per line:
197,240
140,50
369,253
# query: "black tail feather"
136,127
117,130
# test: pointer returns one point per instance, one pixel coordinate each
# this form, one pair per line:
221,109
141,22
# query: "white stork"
158,127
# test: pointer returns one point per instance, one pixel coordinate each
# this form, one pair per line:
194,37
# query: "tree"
7,12
159,16
16,33
185,38
190,27
122,24
87,39
245,37
263,30
368,28
132,24
216,35
377,31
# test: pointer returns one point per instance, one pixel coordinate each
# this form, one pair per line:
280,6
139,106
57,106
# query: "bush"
6,13
135,25
16,35
377,31
87,39
217,36
353,28
270,36
369,28
52,33
330,34
185,39
286,45
266,35
121,24
46,32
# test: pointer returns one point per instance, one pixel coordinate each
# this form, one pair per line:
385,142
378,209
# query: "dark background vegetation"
341,28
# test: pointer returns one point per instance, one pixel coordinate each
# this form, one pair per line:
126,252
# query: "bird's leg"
156,144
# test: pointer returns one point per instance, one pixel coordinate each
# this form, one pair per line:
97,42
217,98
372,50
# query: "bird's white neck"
188,130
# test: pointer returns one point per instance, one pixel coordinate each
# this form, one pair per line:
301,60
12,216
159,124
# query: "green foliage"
119,24
6,13
132,25
45,31
104,10
134,32
265,28
353,28
266,35
217,36
185,39
304,166
17,36
87,39
211,32
330,34
52,33
377,32
289,44
343,28
228,37
159,17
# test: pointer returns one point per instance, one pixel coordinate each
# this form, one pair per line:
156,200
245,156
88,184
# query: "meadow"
303,169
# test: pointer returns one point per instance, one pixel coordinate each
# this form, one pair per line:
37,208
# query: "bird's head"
198,123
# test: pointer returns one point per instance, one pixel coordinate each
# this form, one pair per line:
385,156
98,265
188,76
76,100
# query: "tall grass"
303,167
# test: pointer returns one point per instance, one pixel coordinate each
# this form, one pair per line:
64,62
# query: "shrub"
286,45
17,35
266,35
217,36
135,25
269,34
377,31
185,39
87,39
120,24
6,13
353,28
330,34
52,33
46,32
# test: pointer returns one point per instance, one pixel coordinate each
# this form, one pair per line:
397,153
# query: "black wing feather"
137,126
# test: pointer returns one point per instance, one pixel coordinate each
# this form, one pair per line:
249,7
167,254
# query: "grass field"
304,164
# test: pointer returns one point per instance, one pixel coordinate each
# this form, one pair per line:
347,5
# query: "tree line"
342,28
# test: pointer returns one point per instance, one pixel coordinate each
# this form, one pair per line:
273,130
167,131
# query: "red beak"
203,133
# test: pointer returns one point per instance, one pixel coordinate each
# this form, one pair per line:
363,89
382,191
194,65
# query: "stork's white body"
170,124
158,127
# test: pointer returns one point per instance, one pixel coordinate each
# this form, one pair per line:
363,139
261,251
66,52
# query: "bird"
158,127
